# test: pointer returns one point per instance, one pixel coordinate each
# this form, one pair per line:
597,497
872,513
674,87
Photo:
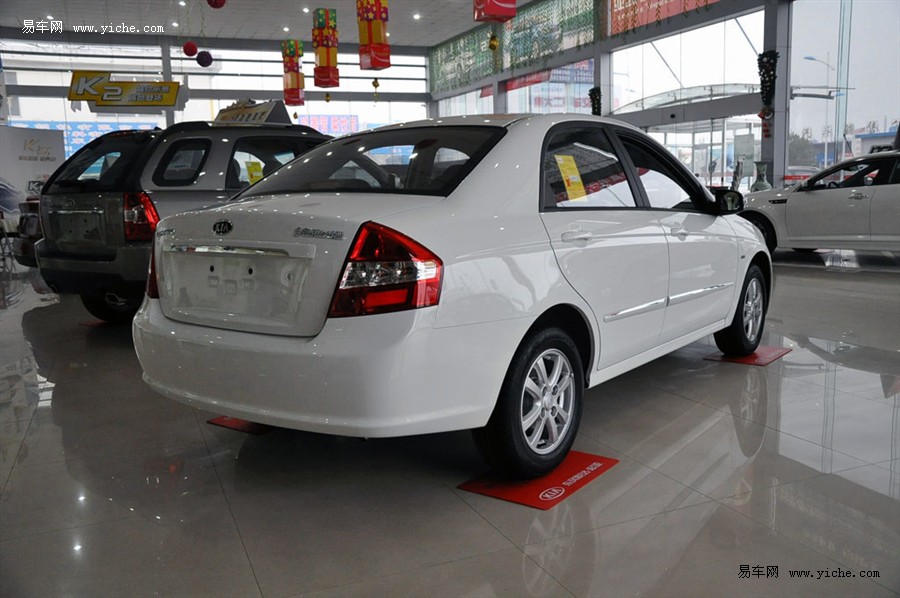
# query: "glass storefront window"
474,102
845,93
563,89
713,149
721,54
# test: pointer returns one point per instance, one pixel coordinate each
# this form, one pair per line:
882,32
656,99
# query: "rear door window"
182,163
101,165
256,157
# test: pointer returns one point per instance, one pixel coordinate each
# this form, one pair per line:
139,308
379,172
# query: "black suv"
99,210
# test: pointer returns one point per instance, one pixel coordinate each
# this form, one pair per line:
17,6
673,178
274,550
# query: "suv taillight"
152,284
140,217
386,271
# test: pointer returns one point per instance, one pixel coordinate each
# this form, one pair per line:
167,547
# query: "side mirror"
728,201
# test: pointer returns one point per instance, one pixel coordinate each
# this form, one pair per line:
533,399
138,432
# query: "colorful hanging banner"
325,41
497,11
291,53
374,50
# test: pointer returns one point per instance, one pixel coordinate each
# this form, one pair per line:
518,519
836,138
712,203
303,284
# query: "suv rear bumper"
126,273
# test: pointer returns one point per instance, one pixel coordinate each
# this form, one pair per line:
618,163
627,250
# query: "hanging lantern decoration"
376,85
204,58
291,51
372,18
493,42
216,3
494,10
767,63
325,41
189,49
327,97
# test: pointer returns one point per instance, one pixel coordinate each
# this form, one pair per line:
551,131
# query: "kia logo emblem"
222,227
552,493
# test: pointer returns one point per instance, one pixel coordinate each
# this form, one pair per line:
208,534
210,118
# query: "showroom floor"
726,473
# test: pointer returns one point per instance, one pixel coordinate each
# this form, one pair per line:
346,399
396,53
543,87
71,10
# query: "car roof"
504,120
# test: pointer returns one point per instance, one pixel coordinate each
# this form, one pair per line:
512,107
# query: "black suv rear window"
102,165
420,161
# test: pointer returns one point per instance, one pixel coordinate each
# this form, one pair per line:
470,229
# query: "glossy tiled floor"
110,490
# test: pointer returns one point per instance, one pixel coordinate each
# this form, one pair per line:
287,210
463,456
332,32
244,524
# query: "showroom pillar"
165,52
776,36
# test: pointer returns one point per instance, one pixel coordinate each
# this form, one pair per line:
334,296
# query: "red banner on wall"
626,15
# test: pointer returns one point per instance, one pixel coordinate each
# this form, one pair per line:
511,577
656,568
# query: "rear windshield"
420,161
102,165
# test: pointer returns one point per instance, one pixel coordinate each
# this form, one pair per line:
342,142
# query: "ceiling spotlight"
417,16
182,3
286,29
174,24
50,17
305,9
388,33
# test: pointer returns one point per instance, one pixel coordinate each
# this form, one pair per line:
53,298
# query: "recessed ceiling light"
182,3
417,16
50,17
388,33
287,29
174,24
305,9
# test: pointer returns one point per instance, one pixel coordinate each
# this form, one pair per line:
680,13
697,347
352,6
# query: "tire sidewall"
510,402
753,272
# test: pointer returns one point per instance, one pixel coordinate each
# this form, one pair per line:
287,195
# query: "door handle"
576,236
857,196
679,232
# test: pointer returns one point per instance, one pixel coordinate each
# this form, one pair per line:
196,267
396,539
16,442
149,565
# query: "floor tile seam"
463,494
615,523
234,522
6,539
424,567
560,582
795,543
841,453
82,456
13,462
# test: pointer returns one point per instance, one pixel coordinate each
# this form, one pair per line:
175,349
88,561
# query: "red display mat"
762,356
241,425
574,473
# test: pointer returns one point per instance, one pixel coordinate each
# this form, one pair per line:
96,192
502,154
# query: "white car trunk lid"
276,267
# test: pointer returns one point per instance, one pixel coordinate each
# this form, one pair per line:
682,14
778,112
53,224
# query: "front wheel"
538,411
112,308
767,230
743,335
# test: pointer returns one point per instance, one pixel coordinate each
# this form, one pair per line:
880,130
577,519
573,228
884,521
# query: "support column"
777,36
166,54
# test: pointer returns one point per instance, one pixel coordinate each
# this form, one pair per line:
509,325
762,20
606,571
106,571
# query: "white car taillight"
386,271
140,217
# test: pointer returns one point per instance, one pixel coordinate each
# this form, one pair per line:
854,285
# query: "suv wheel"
112,308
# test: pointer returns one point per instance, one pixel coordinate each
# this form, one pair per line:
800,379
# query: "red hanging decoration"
291,51
204,58
494,10
325,41
374,50
216,3
189,49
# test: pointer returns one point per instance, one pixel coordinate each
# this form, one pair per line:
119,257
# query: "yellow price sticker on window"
254,171
571,177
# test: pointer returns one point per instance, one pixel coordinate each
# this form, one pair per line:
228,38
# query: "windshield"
101,165
420,161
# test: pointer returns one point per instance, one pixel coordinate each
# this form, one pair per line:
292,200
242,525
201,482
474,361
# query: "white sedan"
852,205
464,273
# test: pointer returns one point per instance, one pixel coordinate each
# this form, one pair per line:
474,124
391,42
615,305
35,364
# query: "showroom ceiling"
247,19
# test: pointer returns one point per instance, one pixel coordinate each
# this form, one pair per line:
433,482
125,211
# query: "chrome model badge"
317,233
222,227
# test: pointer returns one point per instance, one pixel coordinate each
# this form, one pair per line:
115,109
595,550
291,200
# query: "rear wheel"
112,308
539,408
743,335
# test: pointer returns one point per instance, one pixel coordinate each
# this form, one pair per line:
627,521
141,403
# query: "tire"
113,312
743,335
525,436
766,228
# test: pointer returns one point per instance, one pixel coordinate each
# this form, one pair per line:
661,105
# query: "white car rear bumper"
372,376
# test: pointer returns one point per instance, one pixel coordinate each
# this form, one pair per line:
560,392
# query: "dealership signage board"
27,159
246,112
98,87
